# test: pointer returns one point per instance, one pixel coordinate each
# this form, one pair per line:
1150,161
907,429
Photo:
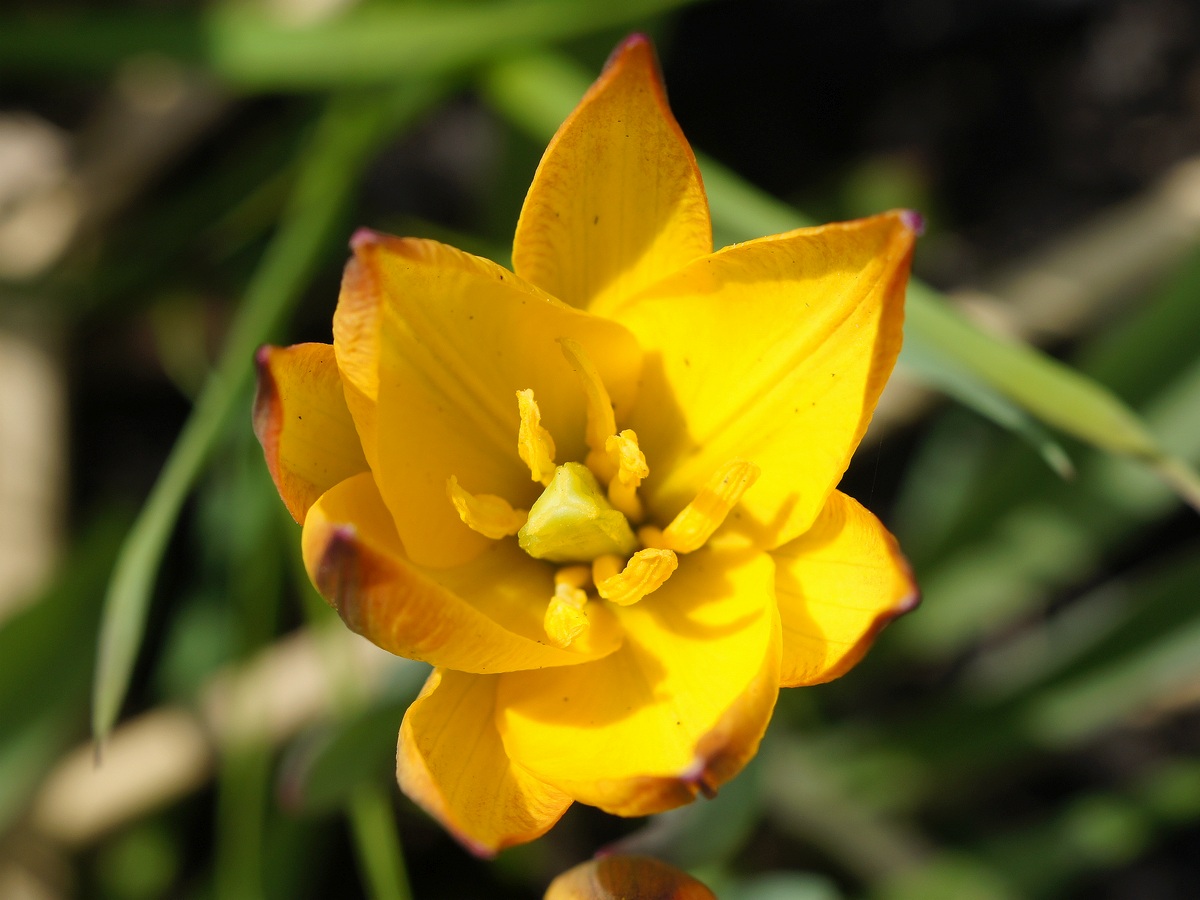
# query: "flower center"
582,520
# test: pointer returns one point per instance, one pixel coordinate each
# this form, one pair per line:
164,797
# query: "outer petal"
482,617
301,420
679,709
446,339
617,202
356,344
774,351
838,585
450,761
626,878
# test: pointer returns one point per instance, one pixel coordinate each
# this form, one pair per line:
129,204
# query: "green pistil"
574,522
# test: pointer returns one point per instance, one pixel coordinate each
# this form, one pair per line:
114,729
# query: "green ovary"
573,522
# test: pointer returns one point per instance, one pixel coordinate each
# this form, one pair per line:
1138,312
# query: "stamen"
491,516
565,619
534,443
646,571
623,452
601,422
697,521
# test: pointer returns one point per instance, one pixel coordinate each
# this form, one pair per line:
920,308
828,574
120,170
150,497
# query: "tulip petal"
450,761
447,340
679,709
356,339
301,420
775,352
617,202
837,586
482,617
626,878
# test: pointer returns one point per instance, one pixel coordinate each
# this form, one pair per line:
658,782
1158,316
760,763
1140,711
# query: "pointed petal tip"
364,237
913,221
635,43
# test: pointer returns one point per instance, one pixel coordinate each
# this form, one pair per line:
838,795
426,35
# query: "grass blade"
377,842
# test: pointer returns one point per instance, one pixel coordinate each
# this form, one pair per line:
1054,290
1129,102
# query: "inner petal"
678,709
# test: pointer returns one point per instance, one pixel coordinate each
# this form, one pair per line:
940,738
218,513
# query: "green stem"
377,841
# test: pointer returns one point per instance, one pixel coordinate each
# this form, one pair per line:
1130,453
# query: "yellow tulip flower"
598,492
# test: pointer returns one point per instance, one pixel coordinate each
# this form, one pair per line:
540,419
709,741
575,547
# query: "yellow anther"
565,619
605,567
697,521
601,422
534,442
625,455
646,571
488,514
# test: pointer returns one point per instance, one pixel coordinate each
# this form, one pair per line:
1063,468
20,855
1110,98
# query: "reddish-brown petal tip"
635,41
364,237
339,573
637,46
265,413
913,221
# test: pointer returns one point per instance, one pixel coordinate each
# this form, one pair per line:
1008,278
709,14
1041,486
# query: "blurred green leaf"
931,366
140,863
1052,391
350,129
321,772
372,45
946,878
46,652
243,789
781,886
381,858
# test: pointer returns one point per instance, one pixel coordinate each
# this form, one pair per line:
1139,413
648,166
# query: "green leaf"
380,855
956,381
349,130
372,45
